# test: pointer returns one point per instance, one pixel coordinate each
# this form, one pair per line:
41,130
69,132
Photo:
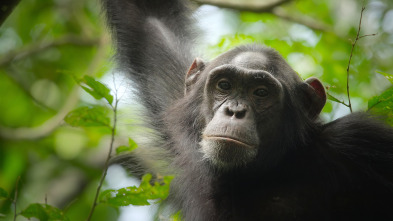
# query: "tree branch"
6,7
51,124
99,55
272,6
301,19
29,50
25,88
250,5
47,127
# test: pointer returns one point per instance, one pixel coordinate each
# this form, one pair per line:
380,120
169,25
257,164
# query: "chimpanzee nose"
239,111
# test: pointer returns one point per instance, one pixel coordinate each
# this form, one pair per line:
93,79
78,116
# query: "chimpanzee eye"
224,85
261,92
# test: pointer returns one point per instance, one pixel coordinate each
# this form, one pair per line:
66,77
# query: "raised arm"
154,42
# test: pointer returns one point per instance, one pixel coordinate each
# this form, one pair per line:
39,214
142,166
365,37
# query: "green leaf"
230,41
382,100
43,212
138,195
387,76
250,16
3,194
383,105
131,146
88,117
330,97
177,216
97,89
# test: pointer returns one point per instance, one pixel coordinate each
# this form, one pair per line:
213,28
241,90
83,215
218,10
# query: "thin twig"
107,159
368,35
343,103
15,198
350,57
352,49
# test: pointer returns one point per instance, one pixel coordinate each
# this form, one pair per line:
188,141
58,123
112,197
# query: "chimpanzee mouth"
230,140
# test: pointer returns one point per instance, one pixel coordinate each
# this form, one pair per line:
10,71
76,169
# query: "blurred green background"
45,43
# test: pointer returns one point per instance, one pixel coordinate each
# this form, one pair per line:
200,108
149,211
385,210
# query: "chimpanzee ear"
193,73
316,96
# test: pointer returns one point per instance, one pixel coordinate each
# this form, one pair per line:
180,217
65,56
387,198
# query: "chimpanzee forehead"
267,60
251,60
256,57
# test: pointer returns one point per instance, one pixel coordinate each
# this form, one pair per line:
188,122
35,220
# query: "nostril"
240,114
228,112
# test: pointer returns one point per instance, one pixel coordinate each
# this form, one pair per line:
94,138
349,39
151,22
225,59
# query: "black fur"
342,170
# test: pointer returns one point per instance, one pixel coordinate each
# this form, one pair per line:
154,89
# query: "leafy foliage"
89,117
138,195
92,117
43,212
131,146
3,194
97,89
383,105
177,216
332,98
387,76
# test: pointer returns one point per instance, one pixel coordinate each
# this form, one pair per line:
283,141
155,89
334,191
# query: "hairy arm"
153,40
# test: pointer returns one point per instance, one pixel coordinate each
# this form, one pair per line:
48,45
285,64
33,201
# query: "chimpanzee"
242,132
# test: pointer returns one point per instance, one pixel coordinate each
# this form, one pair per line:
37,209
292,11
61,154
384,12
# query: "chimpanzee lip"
230,139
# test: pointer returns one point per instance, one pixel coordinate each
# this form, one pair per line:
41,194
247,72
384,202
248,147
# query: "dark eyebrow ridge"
232,68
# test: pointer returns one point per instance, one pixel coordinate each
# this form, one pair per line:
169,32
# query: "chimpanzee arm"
153,39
